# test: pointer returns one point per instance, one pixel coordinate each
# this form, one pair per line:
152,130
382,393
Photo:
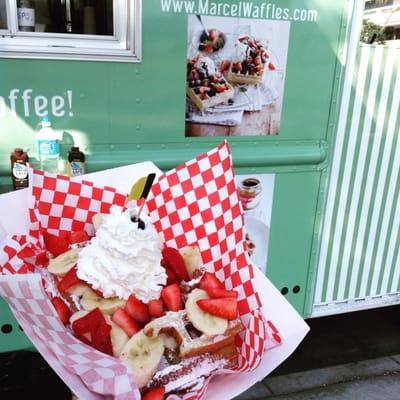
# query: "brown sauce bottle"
19,169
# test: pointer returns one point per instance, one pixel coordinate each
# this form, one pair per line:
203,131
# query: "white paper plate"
259,234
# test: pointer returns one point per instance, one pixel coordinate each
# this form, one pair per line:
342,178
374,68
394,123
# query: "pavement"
354,356
376,379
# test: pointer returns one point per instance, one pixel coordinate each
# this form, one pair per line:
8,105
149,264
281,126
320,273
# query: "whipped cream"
205,65
241,52
122,259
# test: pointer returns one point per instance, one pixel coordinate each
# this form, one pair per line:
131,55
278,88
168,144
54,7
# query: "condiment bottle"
249,193
19,169
76,162
26,16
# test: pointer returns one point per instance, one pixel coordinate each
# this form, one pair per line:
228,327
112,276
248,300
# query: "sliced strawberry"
225,308
62,309
208,48
259,68
42,259
196,75
172,297
204,89
224,66
257,60
69,280
219,88
208,281
155,394
101,339
238,66
171,276
88,323
137,310
213,34
271,66
78,237
125,322
95,324
156,308
54,244
217,293
172,259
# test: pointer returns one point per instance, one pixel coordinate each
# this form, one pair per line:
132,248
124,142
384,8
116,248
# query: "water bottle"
48,145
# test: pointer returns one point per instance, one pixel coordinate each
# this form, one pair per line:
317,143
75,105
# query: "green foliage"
372,33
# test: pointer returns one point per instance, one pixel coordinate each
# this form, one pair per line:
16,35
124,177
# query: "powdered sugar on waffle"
195,368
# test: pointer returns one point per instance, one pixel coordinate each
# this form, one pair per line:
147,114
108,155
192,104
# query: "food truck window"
3,15
78,29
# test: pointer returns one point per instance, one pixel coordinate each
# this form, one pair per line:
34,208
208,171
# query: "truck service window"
70,29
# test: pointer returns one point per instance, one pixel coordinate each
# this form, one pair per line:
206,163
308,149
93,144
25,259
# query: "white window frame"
124,45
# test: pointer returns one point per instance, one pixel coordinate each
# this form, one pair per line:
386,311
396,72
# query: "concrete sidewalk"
376,379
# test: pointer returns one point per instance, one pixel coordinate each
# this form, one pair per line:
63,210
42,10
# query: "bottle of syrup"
19,169
76,162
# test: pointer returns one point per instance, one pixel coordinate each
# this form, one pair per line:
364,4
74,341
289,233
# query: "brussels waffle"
197,356
248,64
184,333
206,86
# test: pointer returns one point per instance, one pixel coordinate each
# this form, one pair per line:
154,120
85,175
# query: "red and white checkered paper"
194,204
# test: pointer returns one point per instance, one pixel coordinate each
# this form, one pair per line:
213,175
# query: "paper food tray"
194,204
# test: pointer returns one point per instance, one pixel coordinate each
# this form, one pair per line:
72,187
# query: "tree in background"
372,33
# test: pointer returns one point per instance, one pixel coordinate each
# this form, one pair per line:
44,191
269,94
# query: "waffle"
190,341
197,357
207,101
206,86
244,79
248,65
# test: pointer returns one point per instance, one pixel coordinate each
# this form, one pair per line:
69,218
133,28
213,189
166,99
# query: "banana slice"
192,258
97,220
78,290
203,321
118,337
143,355
90,301
64,262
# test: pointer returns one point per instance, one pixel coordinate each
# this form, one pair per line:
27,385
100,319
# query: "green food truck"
310,113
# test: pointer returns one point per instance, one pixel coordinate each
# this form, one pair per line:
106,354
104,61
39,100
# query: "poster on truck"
235,76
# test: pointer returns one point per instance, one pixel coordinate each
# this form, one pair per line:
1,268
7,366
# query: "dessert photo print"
235,76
